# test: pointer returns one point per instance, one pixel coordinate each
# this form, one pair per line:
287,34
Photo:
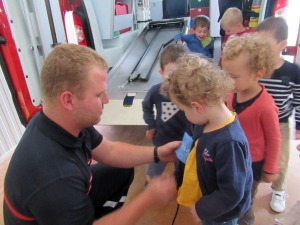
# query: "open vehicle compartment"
153,37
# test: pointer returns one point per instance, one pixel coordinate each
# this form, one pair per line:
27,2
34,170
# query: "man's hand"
166,153
158,193
268,178
150,134
162,189
194,213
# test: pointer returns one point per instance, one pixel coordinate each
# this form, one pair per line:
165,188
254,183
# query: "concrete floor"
165,216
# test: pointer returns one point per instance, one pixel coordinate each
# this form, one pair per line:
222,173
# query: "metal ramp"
137,71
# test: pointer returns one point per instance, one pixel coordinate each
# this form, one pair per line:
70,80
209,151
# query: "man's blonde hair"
259,51
197,79
232,17
66,69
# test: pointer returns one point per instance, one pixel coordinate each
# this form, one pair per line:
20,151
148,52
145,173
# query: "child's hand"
298,147
297,135
179,42
268,178
194,213
150,133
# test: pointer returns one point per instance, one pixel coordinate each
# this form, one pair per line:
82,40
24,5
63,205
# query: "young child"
232,24
217,177
169,124
284,81
247,59
200,41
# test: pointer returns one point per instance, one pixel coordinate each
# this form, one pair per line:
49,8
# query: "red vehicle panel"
15,72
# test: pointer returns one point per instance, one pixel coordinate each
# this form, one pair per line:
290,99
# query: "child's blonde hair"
232,17
259,51
197,79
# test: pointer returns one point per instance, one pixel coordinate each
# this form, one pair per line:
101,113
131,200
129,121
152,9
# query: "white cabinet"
109,23
156,10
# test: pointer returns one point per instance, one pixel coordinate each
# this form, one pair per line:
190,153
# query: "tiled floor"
164,216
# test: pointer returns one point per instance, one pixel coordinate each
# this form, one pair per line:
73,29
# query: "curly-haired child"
217,177
247,59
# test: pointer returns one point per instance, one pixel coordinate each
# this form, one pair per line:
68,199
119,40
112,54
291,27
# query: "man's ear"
198,107
282,44
67,100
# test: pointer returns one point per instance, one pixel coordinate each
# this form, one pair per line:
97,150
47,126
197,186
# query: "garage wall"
11,128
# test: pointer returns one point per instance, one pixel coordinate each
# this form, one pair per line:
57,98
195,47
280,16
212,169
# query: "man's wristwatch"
156,159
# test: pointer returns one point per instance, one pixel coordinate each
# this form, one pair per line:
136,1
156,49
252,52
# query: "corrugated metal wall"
11,128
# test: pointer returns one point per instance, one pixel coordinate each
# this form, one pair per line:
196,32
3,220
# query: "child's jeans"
248,217
156,169
209,222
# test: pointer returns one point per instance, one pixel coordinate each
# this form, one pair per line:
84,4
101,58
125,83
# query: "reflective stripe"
122,199
110,204
15,213
90,185
113,204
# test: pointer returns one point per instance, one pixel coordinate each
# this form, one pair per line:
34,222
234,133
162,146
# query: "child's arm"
296,99
270,124
233,168
148,112
268,178
150,133
180,38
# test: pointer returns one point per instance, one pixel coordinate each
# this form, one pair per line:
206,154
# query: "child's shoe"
277,203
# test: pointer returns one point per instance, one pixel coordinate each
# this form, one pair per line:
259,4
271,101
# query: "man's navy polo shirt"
49,177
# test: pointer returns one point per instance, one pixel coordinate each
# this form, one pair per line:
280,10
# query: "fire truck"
129,34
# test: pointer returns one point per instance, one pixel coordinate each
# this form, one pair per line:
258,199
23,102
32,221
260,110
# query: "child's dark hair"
171,53
277,26
201,21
